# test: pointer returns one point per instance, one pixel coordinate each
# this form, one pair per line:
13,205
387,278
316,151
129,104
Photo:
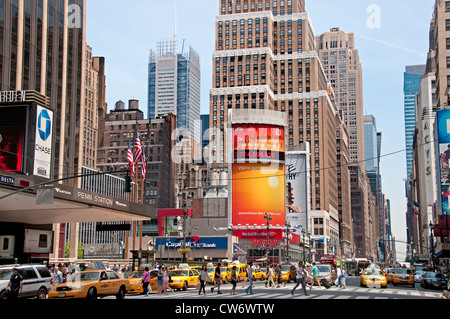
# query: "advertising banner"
43,147
258,174
442,138
193,242
297,176
38,241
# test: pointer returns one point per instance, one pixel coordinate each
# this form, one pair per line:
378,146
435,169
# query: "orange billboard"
258,175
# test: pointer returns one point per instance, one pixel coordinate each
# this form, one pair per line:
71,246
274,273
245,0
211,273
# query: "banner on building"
442,140
43,145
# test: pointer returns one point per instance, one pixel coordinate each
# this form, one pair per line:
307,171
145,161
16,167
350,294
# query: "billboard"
297,176
258,174
43,146
442,139
12,138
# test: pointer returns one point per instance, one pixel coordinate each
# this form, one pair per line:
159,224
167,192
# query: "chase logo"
44,125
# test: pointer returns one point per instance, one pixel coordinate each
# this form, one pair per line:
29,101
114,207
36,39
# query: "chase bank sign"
43,145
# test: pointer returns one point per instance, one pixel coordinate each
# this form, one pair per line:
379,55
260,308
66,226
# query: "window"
447,6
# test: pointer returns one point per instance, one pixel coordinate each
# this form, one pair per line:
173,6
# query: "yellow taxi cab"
183,278
136,282
404,276
264,272
288,273
258,274
90,284
373,277
226,274
241,272
390,275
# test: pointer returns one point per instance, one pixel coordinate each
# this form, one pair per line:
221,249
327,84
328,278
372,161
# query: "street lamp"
432,242
268,218
183,195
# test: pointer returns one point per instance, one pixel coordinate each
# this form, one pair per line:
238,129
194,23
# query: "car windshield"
372,272
223,269
86,276
324,268
404,271
263,270
433,275
182,273
285,268
5,274
139,274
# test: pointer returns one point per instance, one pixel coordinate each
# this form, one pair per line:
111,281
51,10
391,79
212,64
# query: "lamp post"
432,244
268,218
183,195
303,242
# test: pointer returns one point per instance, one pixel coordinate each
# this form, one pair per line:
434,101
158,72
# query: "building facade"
340,58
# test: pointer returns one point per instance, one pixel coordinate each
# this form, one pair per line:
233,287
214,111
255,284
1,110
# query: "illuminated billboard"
258,174
12,138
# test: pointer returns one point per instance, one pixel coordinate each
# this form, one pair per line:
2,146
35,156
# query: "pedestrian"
71,276
115,268
217,279
301,274
343,276
338,277
278,275
160,280
270,274
58,277
146,281
315,272
15,284
203,279
233,280
249,289
246,276
166,281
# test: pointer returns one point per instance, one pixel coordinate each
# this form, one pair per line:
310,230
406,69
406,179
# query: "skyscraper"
174,86
42,47
340,58
265,58
412,77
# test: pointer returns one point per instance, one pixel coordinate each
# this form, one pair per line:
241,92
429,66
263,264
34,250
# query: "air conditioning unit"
7,244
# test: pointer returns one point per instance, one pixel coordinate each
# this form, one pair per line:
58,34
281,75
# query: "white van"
37,281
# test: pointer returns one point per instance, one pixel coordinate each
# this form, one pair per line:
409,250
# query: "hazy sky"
389,36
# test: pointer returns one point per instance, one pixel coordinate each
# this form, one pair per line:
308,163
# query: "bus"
362,263
328,259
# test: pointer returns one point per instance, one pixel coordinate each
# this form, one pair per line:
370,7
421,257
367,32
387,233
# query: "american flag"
144,167
137,149
130,158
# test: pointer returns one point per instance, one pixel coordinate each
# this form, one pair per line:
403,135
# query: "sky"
390,34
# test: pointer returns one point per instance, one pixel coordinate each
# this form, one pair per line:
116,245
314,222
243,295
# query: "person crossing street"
249,289
301,274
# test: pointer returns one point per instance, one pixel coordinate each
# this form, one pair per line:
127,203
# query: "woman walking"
233,280
166,281
146,281
203,278
160,280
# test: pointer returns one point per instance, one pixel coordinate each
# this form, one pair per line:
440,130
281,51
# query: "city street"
353,291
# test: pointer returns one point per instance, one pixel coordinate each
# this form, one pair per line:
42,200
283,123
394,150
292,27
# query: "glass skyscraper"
174,86
412,77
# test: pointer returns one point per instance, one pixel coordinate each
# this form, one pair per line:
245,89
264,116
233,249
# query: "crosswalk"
285,293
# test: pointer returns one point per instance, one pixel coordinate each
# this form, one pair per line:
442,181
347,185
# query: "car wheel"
42,293
185,285
92,294
4,295
121,294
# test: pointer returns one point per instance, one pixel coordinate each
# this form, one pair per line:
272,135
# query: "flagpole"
142,193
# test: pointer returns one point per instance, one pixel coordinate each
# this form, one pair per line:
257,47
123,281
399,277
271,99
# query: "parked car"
37,281
432,279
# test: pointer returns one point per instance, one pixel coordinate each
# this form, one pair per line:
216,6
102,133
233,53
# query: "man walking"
15,284
249,289
217,279
301,274
315,272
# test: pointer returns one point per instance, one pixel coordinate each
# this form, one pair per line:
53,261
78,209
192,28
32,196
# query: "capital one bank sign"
43,144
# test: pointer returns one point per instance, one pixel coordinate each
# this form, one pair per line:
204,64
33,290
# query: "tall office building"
265,58
174,86
42,48
340,58
412,77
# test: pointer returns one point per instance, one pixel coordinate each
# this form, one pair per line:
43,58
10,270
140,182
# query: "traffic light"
127,184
